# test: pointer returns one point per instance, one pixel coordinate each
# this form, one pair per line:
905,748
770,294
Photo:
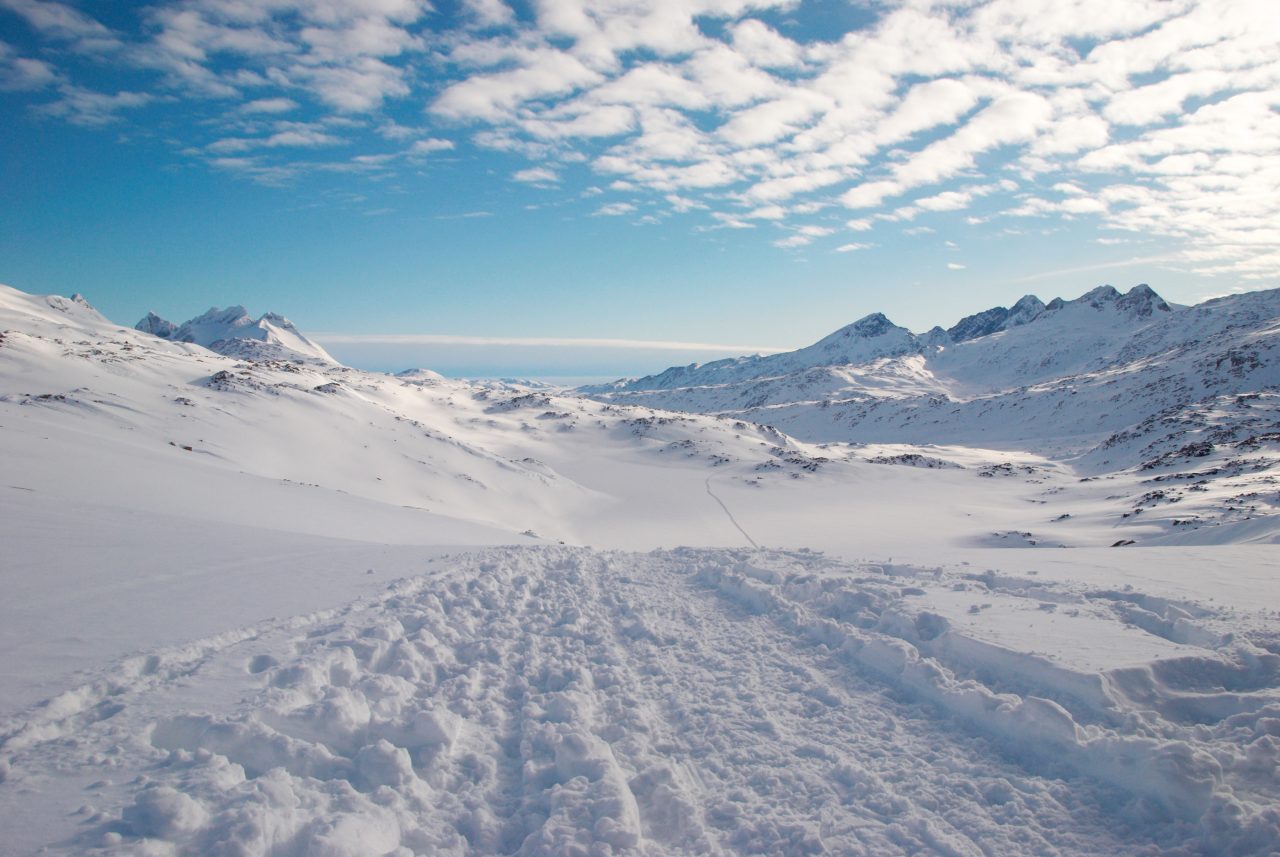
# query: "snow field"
564,701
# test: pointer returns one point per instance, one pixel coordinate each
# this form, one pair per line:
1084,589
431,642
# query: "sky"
599,187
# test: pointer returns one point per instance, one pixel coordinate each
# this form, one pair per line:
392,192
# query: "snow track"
563,701
729,515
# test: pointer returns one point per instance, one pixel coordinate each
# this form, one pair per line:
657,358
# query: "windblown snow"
263,604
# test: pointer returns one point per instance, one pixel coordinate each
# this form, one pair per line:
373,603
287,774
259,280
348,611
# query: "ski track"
729,515
549,701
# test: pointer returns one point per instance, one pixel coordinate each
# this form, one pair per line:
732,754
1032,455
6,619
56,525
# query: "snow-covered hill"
234,333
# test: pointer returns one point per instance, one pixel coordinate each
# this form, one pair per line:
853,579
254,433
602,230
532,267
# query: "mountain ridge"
1139,302
232,332
1060,377
1186,402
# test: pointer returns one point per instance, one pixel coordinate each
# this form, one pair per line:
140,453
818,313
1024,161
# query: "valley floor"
555,700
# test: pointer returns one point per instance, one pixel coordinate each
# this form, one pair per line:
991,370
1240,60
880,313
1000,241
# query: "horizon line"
335,337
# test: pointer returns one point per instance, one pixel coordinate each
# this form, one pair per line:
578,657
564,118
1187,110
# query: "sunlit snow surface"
250,610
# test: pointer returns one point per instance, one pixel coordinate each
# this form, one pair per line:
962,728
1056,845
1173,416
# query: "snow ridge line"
1186,780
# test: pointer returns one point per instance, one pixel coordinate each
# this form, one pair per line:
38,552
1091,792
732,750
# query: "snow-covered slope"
274,441
234,333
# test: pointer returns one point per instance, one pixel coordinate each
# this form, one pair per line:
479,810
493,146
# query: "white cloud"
763,46
300,136
64,23
948,200
88,107
1012,118
852,246
429,145
682,204
955,266
774,119
1168,112
493,97
490,13
785,187
767,212
870,194
25,74
614,209
269,105
537,175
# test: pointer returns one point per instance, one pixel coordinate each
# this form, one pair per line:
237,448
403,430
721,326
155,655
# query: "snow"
561,700
234,333
272,605
1059,382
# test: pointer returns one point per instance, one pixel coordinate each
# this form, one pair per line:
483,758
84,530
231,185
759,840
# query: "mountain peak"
1025,310
867,338
1099,296
875,324
868,327
156,326
229,316
233,332
1142,301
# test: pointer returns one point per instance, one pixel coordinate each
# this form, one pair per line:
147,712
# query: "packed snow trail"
549,701
729,515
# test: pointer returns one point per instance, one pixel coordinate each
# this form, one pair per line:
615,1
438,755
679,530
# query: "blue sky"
682,179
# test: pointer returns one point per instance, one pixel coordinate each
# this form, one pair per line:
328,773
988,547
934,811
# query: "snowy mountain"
1059,378
282,606
234,333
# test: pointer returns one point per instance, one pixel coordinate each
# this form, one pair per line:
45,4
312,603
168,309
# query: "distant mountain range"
875,337
1061,378
1109,419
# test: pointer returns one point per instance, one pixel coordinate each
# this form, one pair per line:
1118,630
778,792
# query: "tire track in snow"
729,514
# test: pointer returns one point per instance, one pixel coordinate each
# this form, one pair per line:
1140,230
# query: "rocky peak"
979,324
1026,309
1142,301
868,327
156,326
936,337
1099,297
